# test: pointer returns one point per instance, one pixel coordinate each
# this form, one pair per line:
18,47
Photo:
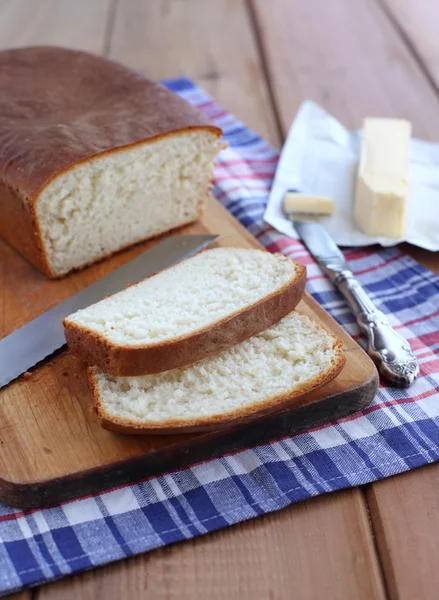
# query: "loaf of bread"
193,310
94,157
265,373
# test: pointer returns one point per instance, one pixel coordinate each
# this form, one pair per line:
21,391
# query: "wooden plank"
362,66
23,22
328,542
211,42
339,550
80,24
406,524
292,553
347,56
53,447
417,20
411,530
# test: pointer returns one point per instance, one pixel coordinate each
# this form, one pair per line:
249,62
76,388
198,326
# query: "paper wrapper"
321,157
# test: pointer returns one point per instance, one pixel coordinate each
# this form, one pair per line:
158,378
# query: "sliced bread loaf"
94,157
197,308
263,374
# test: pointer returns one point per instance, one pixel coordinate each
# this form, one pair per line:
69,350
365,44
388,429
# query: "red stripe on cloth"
416,343
211,104
353,417
281,242
298,255
375,267
262,232
251,176
315,277
251,161
253,188
424,340
288,246
285,242
359,253
15,516
278,247
427,352
368,410
381,405
418,320
429,339
362,271
430,367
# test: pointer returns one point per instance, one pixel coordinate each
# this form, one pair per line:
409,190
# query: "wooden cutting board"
52,447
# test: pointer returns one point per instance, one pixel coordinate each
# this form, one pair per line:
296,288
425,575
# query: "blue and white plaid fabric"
398,432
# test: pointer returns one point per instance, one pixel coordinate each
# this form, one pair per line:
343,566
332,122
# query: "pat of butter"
380,203
305,203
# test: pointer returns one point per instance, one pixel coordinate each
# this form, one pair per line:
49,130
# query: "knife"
36,340
390,351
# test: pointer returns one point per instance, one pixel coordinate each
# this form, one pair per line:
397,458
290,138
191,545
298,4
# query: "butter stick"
306,203
380,203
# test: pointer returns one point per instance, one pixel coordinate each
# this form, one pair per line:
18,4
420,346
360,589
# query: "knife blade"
391,352
39,338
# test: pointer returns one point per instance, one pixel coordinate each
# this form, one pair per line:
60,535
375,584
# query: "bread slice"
192,310
94,157
266,373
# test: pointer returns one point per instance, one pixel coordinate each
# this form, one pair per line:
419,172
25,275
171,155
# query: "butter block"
306,203
380,202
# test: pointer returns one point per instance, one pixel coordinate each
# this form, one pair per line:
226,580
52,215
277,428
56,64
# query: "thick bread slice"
94,157
263,374
197,308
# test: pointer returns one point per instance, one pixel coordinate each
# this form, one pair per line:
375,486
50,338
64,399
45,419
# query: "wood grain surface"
80,24
416,21
359,66
370,50
262,558
356,57
52,445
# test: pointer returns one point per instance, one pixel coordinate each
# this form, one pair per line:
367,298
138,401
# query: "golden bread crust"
60,108
230,419
118,360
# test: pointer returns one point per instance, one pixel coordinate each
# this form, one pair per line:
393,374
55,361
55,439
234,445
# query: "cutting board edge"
44,493
350,391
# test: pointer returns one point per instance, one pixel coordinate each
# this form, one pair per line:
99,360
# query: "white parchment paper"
320,157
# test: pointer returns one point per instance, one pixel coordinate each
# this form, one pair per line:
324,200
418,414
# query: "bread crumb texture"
125,196
187,297
277,362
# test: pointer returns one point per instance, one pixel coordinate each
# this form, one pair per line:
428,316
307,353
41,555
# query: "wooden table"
260,59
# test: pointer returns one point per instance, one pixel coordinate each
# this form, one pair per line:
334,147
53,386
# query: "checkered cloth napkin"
397,432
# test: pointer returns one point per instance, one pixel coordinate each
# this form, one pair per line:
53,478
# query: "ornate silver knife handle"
390,351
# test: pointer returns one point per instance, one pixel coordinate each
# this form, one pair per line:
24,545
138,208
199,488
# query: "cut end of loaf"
125,196
263,374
